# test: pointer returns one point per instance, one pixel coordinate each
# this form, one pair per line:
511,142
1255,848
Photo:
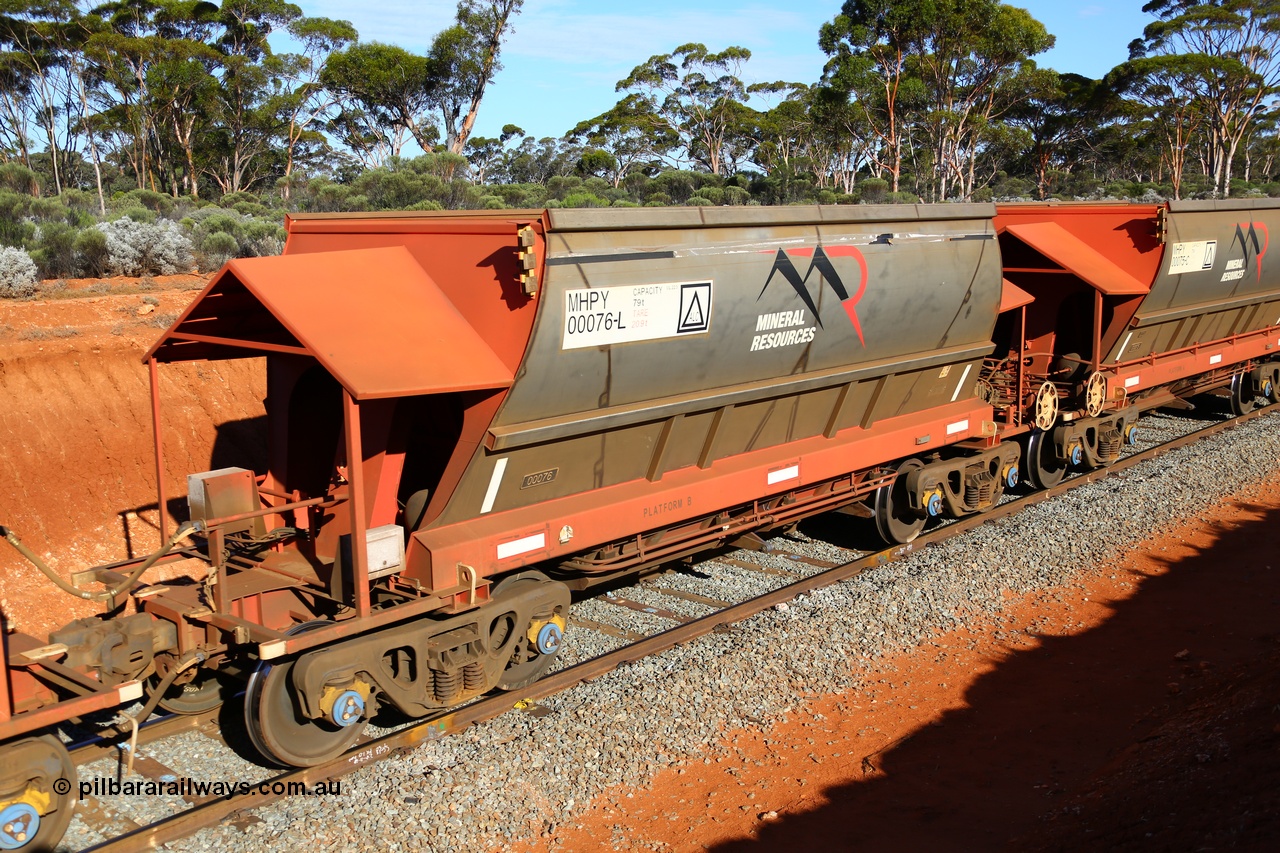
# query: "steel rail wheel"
275,721
1044,470
206,691
895,520
1244,396
1269,387
531,656
38,803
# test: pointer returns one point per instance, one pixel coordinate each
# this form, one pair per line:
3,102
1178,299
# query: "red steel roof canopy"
1070,252
372,317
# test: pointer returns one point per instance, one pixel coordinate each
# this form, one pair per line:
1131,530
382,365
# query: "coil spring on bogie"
1109,444
447,684
473,677
978,489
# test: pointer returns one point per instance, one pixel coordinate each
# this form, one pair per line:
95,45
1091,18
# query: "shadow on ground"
1157,730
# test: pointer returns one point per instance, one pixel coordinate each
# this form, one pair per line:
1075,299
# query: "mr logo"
820,260
695,307
1250,244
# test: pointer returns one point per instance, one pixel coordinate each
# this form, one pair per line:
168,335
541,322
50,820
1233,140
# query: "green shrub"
215,250
242,197
135,214
262,238
221,223
19,179
55,250
249,208
713,195
92,255
582,198
873,190
146,199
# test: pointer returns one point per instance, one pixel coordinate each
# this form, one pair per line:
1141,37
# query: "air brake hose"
185,530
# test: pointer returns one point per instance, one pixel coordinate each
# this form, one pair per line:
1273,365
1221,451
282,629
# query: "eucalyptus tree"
133,37
869,44
42,81
1261,148
970,54
1225,55
486,155
463,61
700,97
15,109
1058,112
303,102
1166,90
248,126
784,128
842,142
537,161
181,87
632,132
388,93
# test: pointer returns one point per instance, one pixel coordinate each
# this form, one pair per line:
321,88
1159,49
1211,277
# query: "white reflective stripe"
778,476
1131,381
130,691
522,546
270,649
1123,346
960,384
491,494
1214,359
958,426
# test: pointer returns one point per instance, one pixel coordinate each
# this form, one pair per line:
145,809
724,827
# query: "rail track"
203,811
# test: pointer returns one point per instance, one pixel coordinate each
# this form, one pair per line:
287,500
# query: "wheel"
1046,407
1244,396
206,691
38,810
530,657
1095,394
1271,385
276,724
895,521
1044,471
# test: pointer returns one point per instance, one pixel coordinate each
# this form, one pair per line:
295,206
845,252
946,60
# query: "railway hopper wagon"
469,416
1114,309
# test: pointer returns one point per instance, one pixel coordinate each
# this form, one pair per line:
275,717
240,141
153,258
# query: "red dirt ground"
77,470
1139,710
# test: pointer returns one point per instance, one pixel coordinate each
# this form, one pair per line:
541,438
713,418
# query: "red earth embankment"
77,465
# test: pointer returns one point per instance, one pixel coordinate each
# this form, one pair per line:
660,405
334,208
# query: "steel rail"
396,743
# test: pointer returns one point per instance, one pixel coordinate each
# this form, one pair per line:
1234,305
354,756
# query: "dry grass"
38,334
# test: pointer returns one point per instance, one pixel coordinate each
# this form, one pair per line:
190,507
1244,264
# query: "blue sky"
563,60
